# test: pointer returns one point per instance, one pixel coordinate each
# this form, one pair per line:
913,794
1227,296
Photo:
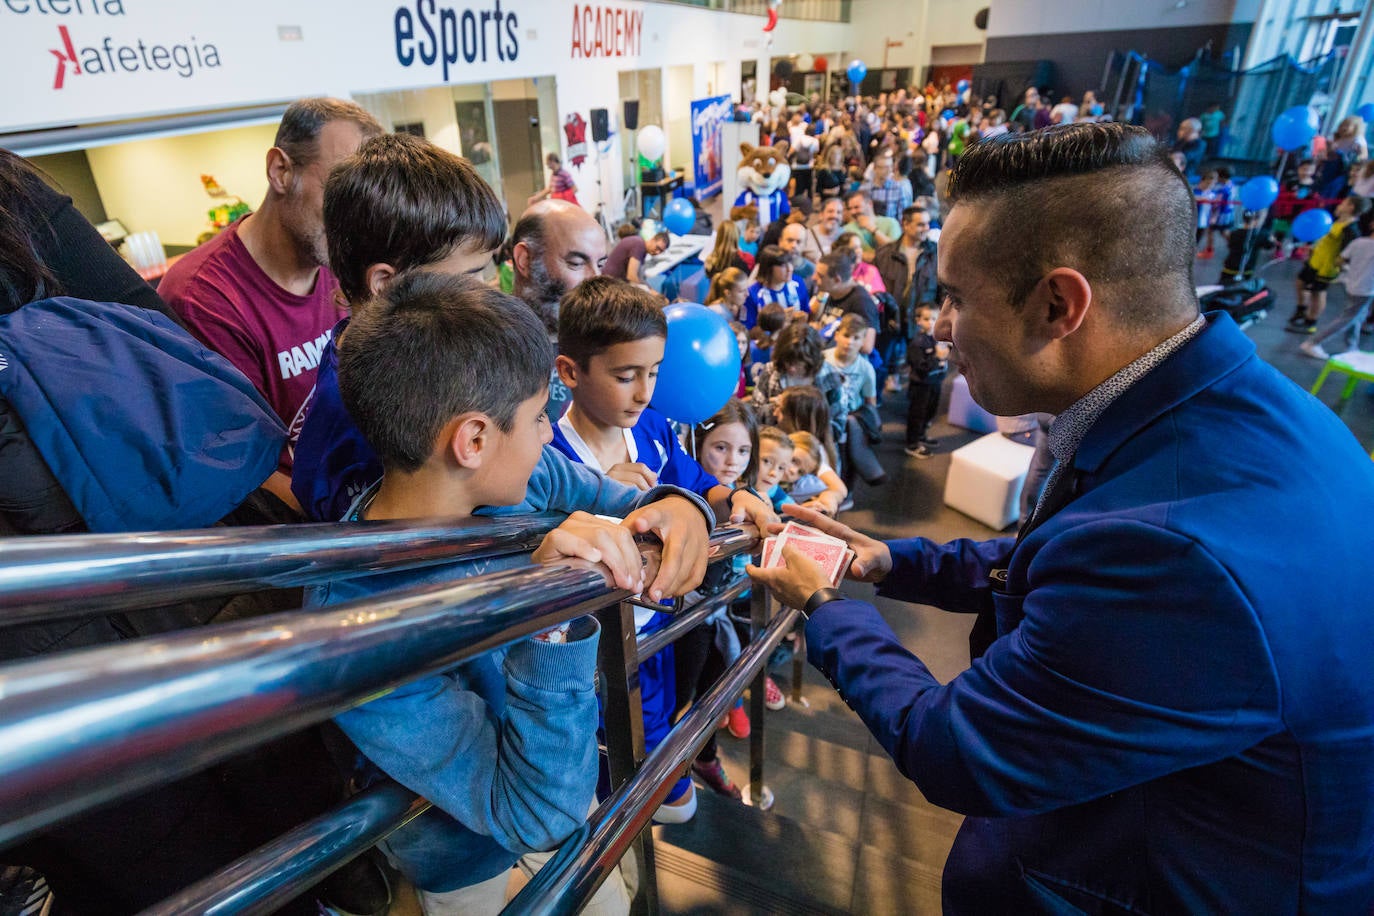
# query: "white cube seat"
985,479
965,412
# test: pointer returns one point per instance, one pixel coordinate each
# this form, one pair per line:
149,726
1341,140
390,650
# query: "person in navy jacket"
1171,702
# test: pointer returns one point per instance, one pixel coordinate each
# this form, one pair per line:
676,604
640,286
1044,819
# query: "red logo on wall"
576,130
184,59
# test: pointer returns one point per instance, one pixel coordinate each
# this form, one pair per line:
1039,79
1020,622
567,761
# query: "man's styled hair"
912,210
602,312
853,324
298,134
859,194
839,263
433,346
403,201
798,344
1103,199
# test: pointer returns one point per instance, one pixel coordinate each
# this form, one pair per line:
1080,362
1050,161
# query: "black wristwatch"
818,597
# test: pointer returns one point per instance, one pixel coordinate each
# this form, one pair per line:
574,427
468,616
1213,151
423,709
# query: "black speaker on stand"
601,125
631,114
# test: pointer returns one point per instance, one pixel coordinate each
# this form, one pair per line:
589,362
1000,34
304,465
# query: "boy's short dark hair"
853,324
432,346
1361,204
602,312
799,344
772,318
403,201
1223,173
912,210
927,307
839,263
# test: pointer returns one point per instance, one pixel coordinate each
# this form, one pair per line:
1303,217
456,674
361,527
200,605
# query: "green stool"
1356,364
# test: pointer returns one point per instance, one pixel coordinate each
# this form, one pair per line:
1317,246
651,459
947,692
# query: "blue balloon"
1259,192
1366,111
857,71
1292,132
1311,225
947,114
701,363
679,216
961,86
1306,115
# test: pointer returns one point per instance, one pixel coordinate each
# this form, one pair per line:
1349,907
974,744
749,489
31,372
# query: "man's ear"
280,171
468,439
520,258
567,370
1061,301
377,276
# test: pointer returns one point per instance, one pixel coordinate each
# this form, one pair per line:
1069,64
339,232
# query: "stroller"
1246,301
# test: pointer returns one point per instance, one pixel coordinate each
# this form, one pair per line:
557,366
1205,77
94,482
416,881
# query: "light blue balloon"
678,216
1366,111
1259,192
961,86
857,71
1292,132
701,364
1311,225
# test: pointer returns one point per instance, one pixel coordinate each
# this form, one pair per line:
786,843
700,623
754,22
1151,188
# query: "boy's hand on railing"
746,507
872,559
634,474
604,543
681,527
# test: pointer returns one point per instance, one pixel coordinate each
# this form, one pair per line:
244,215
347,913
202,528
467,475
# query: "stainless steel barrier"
90,726
565,884
50,578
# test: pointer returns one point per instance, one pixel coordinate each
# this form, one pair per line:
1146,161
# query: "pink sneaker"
739,722
772,696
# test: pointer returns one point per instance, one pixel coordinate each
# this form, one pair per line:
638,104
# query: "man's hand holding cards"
831,554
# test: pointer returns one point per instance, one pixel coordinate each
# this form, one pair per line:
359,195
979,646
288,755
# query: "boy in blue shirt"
447,379
611,337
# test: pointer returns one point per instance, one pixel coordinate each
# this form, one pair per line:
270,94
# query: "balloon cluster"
700,367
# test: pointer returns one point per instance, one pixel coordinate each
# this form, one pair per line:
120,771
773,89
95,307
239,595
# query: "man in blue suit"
1171,704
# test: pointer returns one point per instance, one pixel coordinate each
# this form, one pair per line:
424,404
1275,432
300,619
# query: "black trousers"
923,400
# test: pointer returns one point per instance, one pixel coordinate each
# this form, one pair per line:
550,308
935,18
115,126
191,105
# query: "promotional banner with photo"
707,116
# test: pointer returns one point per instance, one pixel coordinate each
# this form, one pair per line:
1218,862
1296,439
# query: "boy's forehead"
642,352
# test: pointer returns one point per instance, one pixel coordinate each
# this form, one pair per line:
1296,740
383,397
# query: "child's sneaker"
772,696
716,779
1314,350
738,722
918,451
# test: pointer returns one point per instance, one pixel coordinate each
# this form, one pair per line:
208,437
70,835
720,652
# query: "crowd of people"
345,336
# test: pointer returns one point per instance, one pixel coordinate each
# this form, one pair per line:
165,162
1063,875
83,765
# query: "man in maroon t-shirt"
259,293
626,261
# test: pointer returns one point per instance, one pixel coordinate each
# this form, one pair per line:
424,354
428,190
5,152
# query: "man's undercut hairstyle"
403,201
1101,198
913,210
434,346
604,311
839,264
298,135
853,324
770,256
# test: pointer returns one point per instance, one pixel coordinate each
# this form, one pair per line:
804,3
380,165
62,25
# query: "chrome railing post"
623,715
759,796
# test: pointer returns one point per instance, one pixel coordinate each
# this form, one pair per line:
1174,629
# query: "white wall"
917,24
1048,17
155,184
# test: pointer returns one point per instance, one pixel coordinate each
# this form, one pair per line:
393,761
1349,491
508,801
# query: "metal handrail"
50,578
272,874
86,727
570,878
690,618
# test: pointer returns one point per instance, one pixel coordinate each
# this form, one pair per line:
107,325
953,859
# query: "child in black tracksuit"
928,361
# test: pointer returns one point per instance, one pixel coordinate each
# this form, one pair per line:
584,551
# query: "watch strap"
819,597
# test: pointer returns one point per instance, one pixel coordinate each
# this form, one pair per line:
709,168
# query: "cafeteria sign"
707,116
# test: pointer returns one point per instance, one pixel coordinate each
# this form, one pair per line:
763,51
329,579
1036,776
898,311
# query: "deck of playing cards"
832,554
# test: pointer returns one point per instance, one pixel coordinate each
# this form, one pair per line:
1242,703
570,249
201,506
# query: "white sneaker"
1313,350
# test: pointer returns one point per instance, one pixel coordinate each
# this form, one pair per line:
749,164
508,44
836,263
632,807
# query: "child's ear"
567,370
468,439
377,276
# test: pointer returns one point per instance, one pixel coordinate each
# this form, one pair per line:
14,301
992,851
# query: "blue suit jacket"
1178,712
